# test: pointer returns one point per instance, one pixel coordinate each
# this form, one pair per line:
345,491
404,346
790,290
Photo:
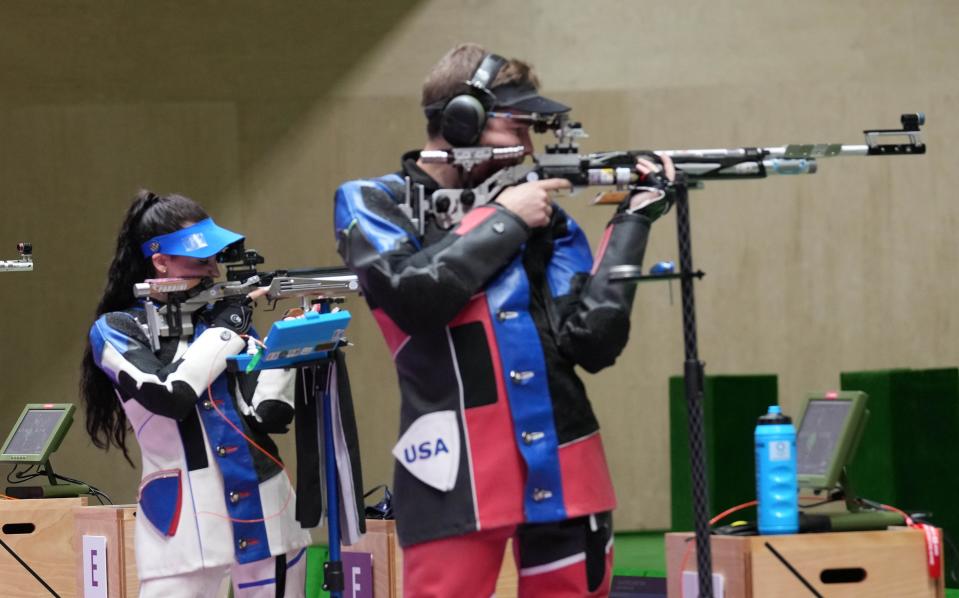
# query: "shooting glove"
273,415
232,313
654,208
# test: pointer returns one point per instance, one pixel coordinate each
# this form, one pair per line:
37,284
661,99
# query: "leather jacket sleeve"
420,288
592,321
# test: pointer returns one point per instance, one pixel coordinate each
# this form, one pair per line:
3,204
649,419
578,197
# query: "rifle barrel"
318,272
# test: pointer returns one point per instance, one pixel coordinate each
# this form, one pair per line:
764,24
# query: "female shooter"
213,498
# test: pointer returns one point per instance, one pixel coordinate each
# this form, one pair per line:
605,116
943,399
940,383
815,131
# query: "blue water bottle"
777,489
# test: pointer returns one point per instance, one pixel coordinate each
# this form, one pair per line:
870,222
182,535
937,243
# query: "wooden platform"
41,532
892,564
116,524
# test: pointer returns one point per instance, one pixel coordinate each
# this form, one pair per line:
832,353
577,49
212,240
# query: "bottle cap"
774,416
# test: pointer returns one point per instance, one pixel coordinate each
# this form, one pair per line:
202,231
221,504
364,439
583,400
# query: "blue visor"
201,240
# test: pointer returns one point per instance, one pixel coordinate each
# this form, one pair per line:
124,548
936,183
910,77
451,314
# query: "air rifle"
180,298
446,207
24,263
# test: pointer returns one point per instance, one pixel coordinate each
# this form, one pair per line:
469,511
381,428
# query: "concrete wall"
259,110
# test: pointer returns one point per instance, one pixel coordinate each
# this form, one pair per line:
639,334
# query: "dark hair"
448,77
148,216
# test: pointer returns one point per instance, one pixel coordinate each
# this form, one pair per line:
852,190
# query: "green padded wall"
315,557
908,457
731,406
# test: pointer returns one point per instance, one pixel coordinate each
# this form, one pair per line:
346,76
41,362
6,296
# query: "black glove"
274,416
232,313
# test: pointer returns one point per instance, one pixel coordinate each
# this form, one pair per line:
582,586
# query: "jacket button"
540,494
220,450
242,544
531,437
234,497
207,404
225,335
520,377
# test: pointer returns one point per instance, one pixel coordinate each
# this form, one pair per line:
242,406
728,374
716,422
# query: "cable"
96,492
933,545
21,476
213,403
722,515
689,545
825,501
732,510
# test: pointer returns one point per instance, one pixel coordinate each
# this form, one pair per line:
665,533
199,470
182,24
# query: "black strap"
280,575
309,491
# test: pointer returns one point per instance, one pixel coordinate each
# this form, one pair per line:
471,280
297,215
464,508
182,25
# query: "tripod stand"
324,422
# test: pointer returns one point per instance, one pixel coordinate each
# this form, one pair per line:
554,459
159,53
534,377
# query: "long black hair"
148,216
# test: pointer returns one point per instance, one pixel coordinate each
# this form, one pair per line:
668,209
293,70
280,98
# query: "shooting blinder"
464,115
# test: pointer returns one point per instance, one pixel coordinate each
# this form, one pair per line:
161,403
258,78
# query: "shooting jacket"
206,498
486,323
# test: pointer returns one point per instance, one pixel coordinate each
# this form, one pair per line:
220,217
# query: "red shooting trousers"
467,566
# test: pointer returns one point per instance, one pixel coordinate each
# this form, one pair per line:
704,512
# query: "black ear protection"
464,115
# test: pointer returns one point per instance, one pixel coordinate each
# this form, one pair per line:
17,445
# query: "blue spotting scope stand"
304,343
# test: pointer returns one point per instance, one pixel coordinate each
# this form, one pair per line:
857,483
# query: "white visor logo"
194,242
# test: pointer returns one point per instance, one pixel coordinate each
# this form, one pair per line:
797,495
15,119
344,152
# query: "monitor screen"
34,432
37,433
820,434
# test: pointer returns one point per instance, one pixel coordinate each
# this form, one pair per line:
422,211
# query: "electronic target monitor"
831,427
37,433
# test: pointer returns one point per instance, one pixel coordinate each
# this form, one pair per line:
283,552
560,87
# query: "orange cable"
209,389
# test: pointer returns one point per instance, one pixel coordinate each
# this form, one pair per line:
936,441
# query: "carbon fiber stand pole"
693,378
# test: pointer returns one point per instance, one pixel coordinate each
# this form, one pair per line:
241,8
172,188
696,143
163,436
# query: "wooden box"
891,563
41,532
116,524
380,541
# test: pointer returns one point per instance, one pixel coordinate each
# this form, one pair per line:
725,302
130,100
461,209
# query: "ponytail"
149,215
